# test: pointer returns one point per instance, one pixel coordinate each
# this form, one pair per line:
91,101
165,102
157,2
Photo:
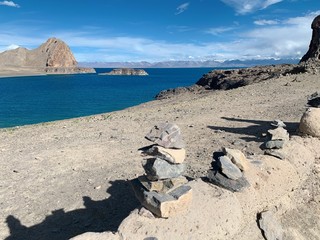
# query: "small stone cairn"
310,121
277,138
163,190
228,170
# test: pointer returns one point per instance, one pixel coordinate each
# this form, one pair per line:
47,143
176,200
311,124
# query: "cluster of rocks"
126,72
277,138
310,121
163,190
227,170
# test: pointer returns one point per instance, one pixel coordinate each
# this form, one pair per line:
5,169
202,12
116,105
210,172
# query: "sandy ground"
19,72
64,178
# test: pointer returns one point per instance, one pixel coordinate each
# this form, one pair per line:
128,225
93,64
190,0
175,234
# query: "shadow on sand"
253,132
97,216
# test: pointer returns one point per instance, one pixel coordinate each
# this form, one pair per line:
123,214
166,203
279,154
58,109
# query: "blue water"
29,100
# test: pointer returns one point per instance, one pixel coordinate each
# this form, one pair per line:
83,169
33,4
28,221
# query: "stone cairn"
228,168
310,121
163,190
277,137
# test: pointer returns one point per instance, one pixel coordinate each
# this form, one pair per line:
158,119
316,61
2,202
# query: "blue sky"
154,30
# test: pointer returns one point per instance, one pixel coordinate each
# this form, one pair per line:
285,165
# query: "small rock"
279,134
237,157
162,204
274,153
162,186
270,226
157,169
219,179
278,123
310,122
167,135
170,155
145,213
314,100
228,168
274,144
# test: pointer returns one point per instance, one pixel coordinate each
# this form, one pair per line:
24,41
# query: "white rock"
310,122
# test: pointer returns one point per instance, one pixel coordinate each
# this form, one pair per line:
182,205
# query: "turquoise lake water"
29,100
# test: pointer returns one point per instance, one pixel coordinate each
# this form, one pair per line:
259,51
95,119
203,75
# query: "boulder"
310,122
167,135
158,169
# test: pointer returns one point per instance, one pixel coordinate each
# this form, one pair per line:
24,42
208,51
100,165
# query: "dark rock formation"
229,79
314,47
53,56
127,72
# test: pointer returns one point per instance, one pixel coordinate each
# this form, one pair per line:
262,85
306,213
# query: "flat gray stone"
228,168
162,186
279,134
219,179
170,155
274,144
167,135
270,226
237,157
158,169
278,123
274,153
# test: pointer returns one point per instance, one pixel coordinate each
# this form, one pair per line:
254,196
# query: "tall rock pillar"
314,47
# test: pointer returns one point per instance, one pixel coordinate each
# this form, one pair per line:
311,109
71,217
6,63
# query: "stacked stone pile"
310,121
163,190
228,170
277,138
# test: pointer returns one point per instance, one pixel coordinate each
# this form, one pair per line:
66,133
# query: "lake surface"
29,100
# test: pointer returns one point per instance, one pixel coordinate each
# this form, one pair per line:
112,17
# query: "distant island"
52,57
126,72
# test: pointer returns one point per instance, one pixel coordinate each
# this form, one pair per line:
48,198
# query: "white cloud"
248,6
219,30
263,22
183,7
289,38
9,4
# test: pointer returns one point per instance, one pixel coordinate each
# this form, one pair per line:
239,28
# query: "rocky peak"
57,54
313,53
